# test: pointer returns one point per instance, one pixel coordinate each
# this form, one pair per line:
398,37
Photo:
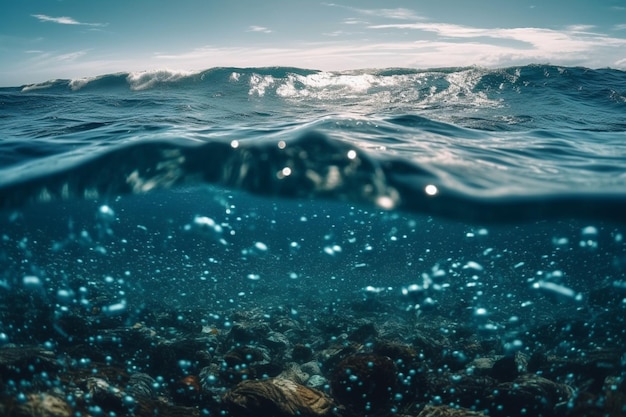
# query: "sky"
42,40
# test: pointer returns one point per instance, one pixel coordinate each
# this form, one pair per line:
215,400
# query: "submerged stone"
445,411
277,397
364,383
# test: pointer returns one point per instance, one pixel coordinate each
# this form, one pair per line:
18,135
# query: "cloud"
453,46
65,20
260,29
71,56
354,21
399,13
579,28
549,43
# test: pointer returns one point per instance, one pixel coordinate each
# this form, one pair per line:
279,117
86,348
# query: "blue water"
495,198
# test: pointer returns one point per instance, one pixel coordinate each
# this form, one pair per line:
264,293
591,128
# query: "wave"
313,166
536,90
487,144
288,81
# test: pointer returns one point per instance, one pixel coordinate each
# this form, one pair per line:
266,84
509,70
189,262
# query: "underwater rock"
249,362
141,385
458,388
400,353
277,342
301,353
317,382
187,391
248,326
588,364
508,368
166,357
482,366
365,332
364,383
107,396
36,405
445,411
311,368
610,402
335,353
528,394
276,397
26,359
294,372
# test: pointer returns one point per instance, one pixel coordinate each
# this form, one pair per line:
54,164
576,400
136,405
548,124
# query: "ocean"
157,224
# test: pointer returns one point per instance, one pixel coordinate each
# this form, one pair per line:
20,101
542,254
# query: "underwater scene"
289,242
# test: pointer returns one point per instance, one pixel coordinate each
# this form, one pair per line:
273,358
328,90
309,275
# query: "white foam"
259,83
143,80
79,83
39,86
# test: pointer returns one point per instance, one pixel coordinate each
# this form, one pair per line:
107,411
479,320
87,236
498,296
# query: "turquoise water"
492,198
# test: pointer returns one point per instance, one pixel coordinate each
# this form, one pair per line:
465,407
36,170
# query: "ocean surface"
494,199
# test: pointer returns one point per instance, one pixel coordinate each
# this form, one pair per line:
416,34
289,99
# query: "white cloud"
399,13
548,43
259,29
354,21
65,20
456,46
71,56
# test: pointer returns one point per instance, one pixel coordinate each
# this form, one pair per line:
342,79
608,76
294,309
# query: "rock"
187,391
276,397
18,362
301,353
38,405
482,366
528,394
458,388
364,383
317,382
294,372
107,396
141,385
165,356
277,342
249,362
445,411
610,402
508,368
331,356
594,365
311,368
248,327
365,332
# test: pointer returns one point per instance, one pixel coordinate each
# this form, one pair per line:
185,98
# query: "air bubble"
115,309
260,246
106,213
555,290
589,230
473,265
31,281
332,250
480,311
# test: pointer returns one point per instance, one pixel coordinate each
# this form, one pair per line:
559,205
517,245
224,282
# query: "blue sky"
48,39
